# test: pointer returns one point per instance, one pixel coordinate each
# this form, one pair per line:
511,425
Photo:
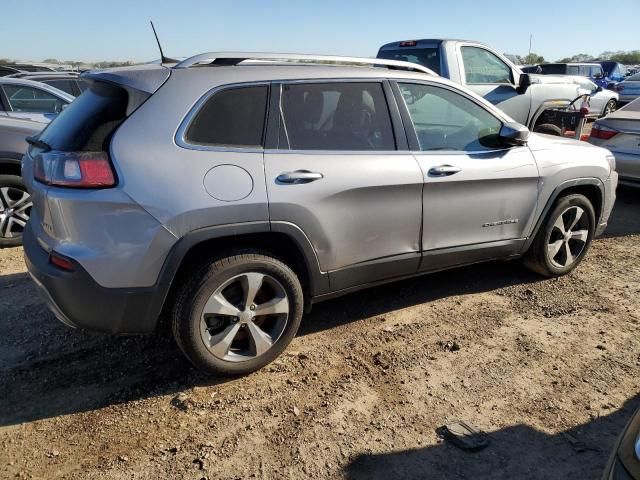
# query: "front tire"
610,107
548,129
15,208
564,238
238,313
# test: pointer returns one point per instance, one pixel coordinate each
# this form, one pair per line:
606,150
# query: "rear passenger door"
342,174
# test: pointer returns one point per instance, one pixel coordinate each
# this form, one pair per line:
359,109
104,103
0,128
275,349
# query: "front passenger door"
479,197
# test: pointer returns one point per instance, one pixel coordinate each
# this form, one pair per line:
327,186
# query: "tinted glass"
337,116
554,69
445,120
232,117
573,70
83,84
88,122
30,99
482,66
429,57
64,85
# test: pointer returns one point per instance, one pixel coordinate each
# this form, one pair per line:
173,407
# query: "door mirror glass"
524,82
513,133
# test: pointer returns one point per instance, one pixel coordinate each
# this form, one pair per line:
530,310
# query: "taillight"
603,133
74,169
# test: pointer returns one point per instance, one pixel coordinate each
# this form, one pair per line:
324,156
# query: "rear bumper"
79,301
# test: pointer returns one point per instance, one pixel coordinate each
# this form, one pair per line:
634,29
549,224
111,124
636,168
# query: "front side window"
445,120
29,99
234,117
336,116
482,66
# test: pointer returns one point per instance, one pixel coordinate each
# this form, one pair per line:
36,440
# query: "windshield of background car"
427,56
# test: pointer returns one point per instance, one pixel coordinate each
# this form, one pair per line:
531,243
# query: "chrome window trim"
180,135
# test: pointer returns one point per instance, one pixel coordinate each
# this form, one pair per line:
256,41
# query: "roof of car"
42,86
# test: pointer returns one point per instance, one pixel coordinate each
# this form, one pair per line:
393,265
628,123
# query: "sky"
88,30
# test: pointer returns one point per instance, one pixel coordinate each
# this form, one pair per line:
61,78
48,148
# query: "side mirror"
598,89
524,82
513,134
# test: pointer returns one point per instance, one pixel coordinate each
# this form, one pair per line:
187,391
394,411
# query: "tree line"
631,57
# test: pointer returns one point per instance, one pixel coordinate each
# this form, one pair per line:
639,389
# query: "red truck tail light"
603,133
74,169
60,261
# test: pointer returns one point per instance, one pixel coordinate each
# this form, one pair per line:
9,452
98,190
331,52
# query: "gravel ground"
549,368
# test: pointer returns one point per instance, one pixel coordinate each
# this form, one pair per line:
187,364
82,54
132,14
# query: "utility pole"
530,39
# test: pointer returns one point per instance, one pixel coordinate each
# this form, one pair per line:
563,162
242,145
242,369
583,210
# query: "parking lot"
548,367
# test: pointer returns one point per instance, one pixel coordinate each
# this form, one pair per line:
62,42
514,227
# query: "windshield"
429,57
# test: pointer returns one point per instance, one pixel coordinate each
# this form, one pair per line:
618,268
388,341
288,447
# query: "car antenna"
163,59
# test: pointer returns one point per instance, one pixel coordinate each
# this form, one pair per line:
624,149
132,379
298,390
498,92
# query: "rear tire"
15,208
548,129
564,238
238,313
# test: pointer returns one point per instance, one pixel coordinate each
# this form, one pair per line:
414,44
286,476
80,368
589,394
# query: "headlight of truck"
612,161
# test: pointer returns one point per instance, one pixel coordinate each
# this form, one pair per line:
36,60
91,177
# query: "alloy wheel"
568,237
15,207
244,317
610,107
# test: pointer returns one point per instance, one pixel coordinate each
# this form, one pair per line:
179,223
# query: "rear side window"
573,70
427,56
554,69
337,116
89,121
234,117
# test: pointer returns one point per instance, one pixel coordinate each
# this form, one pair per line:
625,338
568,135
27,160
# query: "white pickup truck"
527,98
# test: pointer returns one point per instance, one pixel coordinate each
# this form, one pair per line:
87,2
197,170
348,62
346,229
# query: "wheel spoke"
4,197
580,235
221,343
219,305
273,307
559,224
4,226
554,248
260,340
569,255
576,218
251,283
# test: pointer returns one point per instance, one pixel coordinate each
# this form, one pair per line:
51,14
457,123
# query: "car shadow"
48,369
625,217
518,451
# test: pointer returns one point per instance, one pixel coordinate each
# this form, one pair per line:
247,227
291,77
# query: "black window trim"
397,127
180,137
412,135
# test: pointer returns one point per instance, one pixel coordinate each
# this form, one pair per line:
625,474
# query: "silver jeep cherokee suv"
232,191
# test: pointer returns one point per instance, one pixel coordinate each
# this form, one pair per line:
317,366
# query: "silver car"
31,100
602,102
620,133
232,191
629,88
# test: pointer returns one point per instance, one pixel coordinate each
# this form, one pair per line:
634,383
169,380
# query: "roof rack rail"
235,58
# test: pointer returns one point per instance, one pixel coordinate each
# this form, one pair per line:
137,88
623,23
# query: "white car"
601,101
27,99
620,133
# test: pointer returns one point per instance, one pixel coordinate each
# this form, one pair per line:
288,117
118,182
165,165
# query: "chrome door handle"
299,176
443,170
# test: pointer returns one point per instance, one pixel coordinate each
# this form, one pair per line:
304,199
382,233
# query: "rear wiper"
36,142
